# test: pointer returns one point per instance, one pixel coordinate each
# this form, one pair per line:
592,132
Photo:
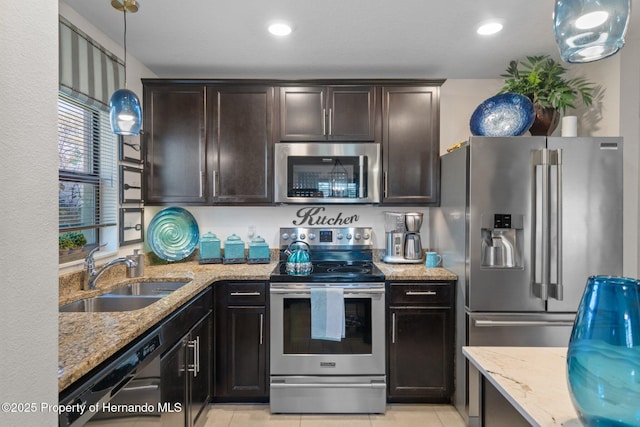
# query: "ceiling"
331,38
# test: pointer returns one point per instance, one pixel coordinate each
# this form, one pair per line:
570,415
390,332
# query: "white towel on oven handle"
327,314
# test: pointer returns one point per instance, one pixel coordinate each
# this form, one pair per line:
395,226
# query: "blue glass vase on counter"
603,358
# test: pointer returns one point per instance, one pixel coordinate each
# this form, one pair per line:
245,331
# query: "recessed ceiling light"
489,28
280,29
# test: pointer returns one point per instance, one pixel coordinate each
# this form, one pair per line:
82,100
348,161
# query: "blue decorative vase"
603,358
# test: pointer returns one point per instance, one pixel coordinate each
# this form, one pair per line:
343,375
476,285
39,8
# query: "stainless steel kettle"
298,258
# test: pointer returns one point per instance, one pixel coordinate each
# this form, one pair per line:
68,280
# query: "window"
88,187
87,194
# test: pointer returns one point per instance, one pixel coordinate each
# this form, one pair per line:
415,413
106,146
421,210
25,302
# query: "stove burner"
333,271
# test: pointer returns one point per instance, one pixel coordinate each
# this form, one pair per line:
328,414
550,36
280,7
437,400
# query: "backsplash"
266,221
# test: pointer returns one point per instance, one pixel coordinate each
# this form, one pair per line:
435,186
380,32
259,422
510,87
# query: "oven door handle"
331,385
347,292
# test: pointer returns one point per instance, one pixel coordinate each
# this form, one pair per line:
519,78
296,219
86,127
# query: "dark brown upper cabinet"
327,113
208,144
175,144
241,144
411,145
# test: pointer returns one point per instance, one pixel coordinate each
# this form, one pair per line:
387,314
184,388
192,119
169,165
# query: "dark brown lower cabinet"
186,376
420,341
241,342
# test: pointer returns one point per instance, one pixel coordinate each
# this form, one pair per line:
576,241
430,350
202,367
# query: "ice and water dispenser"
502,240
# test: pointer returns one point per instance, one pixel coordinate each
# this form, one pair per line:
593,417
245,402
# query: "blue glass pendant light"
124,106
589,30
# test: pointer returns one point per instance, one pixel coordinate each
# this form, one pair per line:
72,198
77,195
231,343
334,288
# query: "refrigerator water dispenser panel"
502,237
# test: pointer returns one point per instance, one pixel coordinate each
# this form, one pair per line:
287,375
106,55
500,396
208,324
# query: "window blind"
88,71
87,167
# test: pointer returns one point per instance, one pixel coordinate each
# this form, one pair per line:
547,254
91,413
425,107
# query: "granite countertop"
87,339
532,379
414,272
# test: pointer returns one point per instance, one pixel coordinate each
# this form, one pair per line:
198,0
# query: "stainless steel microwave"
327,172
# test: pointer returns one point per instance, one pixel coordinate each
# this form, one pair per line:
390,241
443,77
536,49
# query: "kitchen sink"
106,303
148,288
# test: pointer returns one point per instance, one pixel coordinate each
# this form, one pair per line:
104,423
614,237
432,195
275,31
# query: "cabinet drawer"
421,293
246,293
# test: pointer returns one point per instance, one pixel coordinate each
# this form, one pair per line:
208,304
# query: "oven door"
293,352
327,173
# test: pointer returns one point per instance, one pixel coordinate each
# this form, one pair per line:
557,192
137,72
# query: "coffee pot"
403,243
298,258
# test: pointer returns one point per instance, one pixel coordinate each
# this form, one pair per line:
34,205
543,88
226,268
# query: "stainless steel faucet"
91,275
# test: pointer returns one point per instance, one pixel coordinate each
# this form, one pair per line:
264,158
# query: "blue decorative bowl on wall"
603,358
507,114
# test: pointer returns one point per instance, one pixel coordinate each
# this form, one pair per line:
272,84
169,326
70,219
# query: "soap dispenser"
136,270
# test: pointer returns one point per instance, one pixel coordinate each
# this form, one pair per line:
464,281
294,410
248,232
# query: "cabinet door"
302,113
334,113
200,336
420,354
175,145
411,144
351,113
246,351
174,385
241,140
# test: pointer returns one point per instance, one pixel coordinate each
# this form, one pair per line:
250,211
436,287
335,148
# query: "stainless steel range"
343,374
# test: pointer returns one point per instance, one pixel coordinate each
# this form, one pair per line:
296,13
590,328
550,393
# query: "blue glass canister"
603,358
209,252
233,250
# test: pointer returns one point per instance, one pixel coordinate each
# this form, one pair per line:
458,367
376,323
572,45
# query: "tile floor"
241,415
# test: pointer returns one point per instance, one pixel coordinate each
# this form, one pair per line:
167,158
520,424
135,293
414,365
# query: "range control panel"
336,237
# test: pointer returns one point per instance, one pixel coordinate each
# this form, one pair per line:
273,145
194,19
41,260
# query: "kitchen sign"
313,215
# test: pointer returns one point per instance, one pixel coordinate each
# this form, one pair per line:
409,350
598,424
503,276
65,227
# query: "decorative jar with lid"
258,251
233,250
209,252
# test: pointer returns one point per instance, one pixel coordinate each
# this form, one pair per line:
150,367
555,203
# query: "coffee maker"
402,236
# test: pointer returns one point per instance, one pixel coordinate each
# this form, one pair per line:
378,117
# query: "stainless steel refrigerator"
523,222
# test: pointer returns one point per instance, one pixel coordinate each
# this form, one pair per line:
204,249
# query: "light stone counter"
414,272
87,339
532,379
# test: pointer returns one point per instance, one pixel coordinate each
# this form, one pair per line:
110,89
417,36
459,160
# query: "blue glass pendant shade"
589,30
125,112
603,358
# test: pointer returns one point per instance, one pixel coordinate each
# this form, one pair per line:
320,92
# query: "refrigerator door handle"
541,288
556,289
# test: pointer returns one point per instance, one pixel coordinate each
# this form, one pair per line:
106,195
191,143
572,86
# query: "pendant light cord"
125,44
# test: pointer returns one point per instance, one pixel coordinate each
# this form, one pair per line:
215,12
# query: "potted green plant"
64,244
541,79
78,240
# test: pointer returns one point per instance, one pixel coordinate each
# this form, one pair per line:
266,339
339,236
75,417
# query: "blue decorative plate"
507,114
173,234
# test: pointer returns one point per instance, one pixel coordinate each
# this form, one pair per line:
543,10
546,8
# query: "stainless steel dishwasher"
134,385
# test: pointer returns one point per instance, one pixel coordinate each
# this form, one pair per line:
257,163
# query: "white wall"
28,209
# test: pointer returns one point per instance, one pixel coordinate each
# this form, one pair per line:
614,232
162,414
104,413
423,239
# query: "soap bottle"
138,269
